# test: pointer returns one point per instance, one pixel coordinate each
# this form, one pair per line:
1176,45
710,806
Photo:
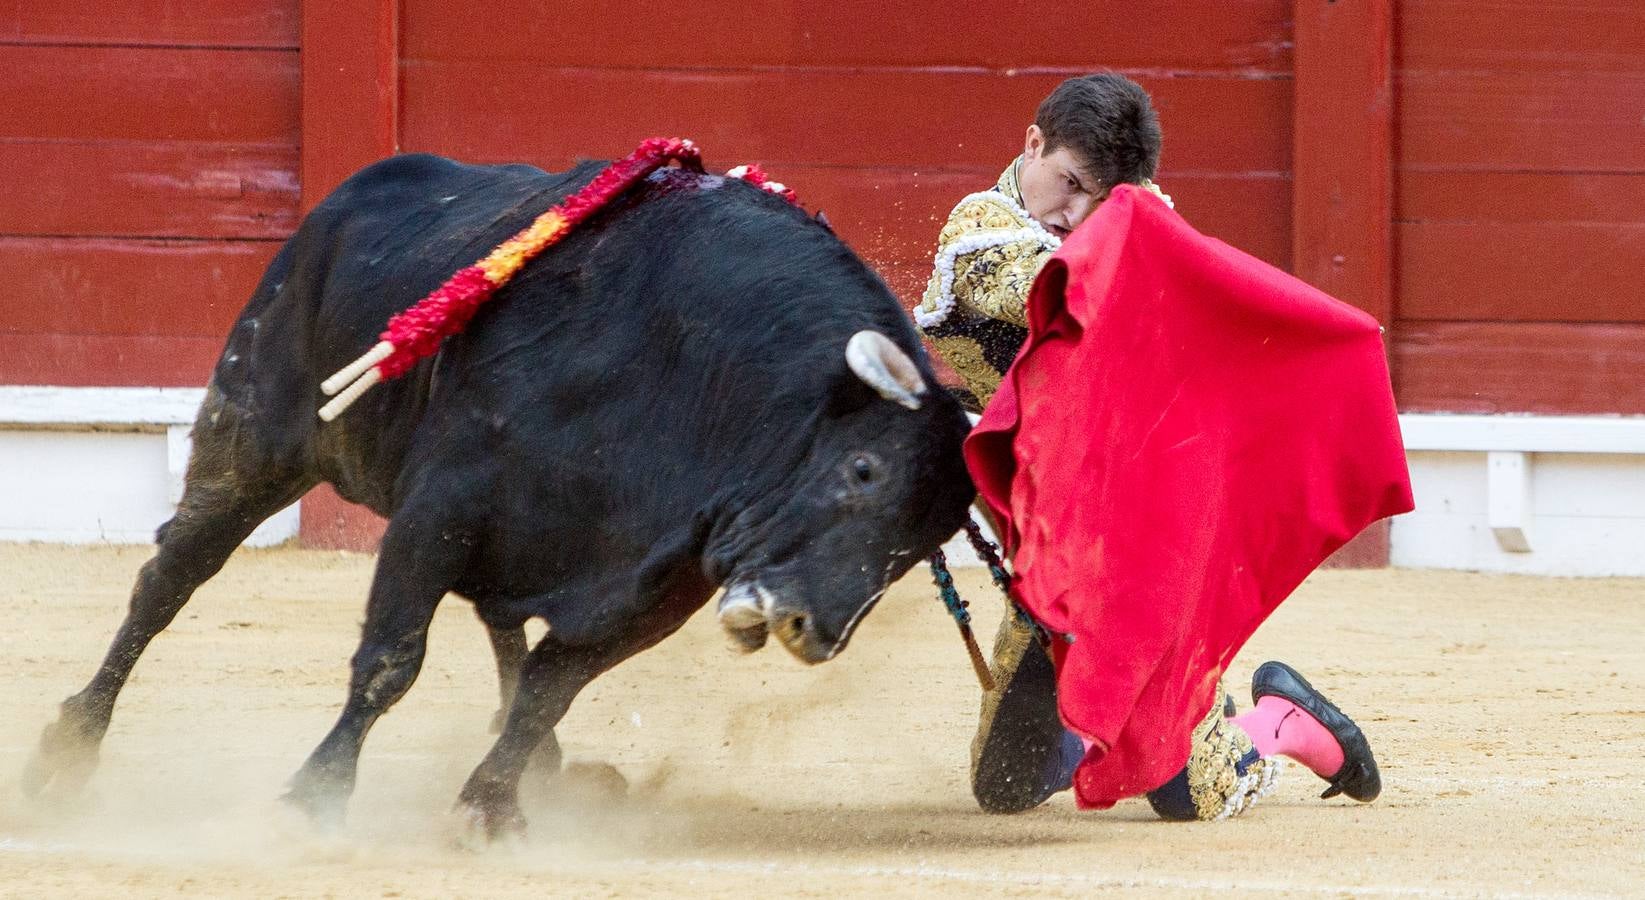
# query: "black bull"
701,386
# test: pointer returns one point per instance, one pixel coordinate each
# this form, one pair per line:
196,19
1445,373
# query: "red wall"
1520,206
881,115
150,152
153,150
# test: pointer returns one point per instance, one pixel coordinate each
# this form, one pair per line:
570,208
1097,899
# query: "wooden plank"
1522,35
135,287
1430,196
331,523
1519,367
149,190
79,360
890,216
351,117
1342,197
115,287
873,206
1522,122
1251,212
350,90
1246,35
1527,434
149,94
201,23
54,406
865,118
1550,271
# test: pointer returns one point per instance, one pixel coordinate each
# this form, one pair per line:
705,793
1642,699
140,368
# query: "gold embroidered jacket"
975,307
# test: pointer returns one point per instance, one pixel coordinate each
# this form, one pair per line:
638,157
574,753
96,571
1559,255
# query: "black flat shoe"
1358,777
1018,756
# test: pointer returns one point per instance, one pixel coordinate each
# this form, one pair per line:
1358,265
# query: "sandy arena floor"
1507,713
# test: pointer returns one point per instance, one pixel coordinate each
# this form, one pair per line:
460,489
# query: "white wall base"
99,465
1543,495
1587,516
81,487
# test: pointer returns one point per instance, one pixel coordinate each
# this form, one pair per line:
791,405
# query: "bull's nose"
791,624
799,632
742,615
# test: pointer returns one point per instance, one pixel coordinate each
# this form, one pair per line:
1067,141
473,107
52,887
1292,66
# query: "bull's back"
398,229
383,240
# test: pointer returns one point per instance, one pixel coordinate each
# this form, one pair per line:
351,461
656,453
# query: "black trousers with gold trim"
1022,754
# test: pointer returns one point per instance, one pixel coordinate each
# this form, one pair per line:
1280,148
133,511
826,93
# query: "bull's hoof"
488,810
324,806
66,757
592,786
479,827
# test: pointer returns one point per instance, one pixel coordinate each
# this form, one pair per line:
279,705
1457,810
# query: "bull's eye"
861,475
863,469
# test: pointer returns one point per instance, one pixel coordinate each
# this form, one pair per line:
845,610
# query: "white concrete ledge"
89,407
1587,478
100,464
107,463
1524,433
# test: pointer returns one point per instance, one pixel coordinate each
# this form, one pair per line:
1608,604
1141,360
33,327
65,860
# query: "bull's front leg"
668,587
551,678
553,675
509,645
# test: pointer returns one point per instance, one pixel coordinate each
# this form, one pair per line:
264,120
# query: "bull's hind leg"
231,488
421,557
509,646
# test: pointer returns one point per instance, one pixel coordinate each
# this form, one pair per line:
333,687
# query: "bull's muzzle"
743,616
750,614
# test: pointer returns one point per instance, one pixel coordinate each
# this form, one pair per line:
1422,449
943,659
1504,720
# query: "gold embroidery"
996,282
988,254
995,252
964,355
1215,783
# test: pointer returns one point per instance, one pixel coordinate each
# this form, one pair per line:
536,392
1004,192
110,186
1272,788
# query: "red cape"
1186,434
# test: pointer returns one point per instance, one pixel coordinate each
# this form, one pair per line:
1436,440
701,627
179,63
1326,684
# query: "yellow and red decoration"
418,331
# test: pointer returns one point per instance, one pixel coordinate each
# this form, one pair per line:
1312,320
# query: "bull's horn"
883,366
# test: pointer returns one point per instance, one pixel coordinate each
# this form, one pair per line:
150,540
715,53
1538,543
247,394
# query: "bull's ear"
883,366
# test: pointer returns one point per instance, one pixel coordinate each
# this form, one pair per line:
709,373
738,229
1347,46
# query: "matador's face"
1057,189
